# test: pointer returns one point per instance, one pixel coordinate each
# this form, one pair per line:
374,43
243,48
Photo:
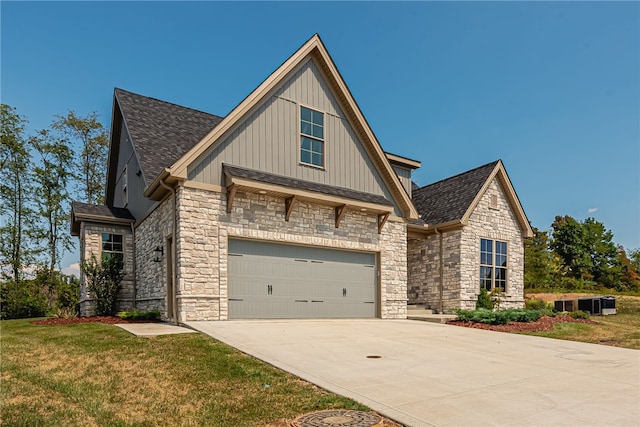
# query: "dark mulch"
110,320
545,323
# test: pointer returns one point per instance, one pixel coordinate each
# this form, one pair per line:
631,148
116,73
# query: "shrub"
579,314
538,304
139,315
104,282
501,317
21,300
484,300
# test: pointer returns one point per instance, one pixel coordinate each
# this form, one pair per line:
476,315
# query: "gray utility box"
596,305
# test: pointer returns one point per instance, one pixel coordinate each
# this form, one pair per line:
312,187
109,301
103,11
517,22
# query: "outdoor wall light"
159,250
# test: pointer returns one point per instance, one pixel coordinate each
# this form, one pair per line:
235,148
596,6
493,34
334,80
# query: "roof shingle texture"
305,185
162,132
102,211
448,200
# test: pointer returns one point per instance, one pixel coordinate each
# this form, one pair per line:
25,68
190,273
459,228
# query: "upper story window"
112,246
493,265
311,137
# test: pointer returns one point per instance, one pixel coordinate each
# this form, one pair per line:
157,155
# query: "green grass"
620,330
100,375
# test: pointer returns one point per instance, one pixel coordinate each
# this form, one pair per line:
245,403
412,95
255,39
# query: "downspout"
441,268
173,254
135,287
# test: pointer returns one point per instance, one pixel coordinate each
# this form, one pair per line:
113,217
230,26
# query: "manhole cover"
338,419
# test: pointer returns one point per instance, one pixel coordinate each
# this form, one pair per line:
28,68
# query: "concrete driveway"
439,375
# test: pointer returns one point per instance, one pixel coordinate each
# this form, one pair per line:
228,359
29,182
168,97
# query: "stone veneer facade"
204,228
462,258
91,244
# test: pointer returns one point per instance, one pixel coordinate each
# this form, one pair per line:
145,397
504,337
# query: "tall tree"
15,193
51,177
586,248
92,162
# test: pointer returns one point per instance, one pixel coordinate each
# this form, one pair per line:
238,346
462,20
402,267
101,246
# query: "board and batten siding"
268,139
137,204
405,177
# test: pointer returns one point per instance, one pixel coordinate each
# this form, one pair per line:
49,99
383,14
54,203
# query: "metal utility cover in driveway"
440,375
277,281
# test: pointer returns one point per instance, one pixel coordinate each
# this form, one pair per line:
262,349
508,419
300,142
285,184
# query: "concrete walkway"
150,330
429,374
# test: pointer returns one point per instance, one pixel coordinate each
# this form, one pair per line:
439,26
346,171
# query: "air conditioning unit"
590,305
608,305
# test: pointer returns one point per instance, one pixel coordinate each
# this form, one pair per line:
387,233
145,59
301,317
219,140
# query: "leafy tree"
104,281
586,248
22,299
51,177
94,141
629,277
15,194
538,267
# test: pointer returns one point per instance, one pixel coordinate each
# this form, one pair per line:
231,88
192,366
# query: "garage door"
271,280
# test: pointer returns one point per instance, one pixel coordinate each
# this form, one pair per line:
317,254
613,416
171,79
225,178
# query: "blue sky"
551,88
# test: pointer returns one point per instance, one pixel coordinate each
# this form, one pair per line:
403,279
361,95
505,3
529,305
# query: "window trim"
311,137
111,242
494,268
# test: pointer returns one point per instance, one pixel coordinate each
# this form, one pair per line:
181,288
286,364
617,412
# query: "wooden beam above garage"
231,194
339,212
382,219
288,204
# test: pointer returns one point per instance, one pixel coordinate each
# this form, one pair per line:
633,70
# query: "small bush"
538,304
104,282
21,300
501,317
579,314
139,315
484,300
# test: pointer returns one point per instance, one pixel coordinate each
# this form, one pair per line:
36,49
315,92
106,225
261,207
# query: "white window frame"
312,138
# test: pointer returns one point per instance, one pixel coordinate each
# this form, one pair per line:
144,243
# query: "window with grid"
493,265
311,137
112,246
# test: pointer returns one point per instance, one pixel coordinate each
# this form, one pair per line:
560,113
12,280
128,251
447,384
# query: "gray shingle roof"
162,132
448,200
305,185
99,212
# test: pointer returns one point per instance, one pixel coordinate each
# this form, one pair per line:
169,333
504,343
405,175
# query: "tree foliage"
104,280
91,163
15,194
52,177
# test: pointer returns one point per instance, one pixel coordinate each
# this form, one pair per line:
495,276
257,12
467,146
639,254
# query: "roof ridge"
167,102
495,162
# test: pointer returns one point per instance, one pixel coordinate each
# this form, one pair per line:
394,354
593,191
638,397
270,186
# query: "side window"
112,246
311,137
493,265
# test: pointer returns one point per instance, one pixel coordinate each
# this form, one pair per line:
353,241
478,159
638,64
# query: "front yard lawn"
99,375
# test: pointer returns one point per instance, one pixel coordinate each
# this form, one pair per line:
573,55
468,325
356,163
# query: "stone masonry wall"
495,224
205,227
91,244
151,283
424,271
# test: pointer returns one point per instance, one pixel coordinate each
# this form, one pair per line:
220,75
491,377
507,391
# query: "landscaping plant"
104,281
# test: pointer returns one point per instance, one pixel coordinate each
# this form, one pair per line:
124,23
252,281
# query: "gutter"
133,244
174,281
441,268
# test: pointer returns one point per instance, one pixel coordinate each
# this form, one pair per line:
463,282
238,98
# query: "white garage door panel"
269,280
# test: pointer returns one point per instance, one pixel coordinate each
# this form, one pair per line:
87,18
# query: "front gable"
268,139
262,133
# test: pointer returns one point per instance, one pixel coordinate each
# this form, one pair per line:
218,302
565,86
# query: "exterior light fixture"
159,251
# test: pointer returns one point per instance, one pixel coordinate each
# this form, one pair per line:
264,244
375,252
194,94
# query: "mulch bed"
110,320
545,323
